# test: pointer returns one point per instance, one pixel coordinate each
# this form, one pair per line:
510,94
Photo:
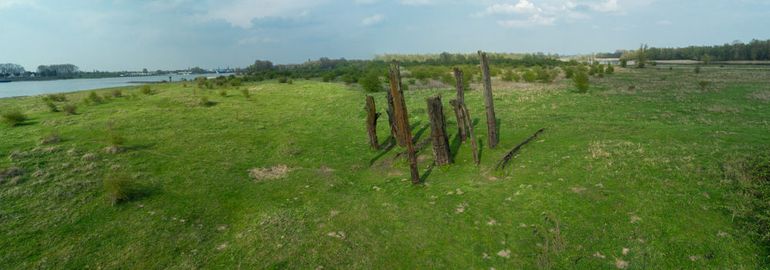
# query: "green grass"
616,168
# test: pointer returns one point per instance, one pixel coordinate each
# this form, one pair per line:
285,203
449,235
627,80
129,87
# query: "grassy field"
630,175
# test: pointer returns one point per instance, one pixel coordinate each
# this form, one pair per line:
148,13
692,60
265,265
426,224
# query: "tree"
11,69
60,70
371,82
641,56
610,69
580,79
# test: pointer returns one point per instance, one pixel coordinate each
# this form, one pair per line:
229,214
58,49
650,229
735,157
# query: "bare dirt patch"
271,173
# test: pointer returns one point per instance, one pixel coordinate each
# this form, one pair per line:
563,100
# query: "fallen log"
507,158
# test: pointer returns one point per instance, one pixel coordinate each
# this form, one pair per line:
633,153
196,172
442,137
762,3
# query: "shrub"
236,82
56,97
14,118
70,109
610,69
223,93
205,102
119,188
116,93
51,139
623,63
580,79
95,98
52,106
245,93
529,76
697,70
569,72
371,82
283,79
201,81
146,89
508,75
703,85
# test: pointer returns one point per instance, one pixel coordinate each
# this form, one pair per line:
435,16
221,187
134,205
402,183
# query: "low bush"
245,93
581,81
119,188
94,98
55,97
529,76
146,89
70,109
51,106
371,82
14,118
223,92
283,80
116,93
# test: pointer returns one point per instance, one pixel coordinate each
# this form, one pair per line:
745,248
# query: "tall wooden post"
401,118
461,127
492,135
438,131
371,122
392,121
459,84
469,125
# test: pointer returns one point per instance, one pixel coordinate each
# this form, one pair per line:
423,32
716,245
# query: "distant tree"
197,70
9,69
259,66
623,63
641,56
60,70
371,82
580,79
610,69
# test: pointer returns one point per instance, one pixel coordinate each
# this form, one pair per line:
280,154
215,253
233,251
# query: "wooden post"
471,136
461,126
371,122
459,85
401,118
492,135
392,121
438,131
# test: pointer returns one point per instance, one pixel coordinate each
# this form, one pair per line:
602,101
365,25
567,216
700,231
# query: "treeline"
419,67
59,71
756,50
7,70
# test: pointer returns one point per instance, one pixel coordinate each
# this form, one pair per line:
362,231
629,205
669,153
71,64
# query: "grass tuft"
14,118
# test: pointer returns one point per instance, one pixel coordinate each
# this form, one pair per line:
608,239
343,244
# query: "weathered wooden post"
371,122
401,119
459,84
461,127
438,131
471,136
392,121
492,135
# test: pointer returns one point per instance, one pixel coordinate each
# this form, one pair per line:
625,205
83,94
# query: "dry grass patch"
271,173
761,95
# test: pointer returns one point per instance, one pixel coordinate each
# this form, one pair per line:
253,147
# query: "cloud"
416,2
372,20
242,13
534,20
7,4
529,13
522,7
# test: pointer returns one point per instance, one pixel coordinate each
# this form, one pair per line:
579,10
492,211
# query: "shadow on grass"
389,144
427,173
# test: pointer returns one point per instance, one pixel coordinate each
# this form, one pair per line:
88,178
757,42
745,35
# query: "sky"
119,35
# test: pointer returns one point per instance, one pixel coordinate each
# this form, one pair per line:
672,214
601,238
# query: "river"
32,88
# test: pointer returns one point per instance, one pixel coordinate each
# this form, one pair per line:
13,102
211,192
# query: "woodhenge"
398,119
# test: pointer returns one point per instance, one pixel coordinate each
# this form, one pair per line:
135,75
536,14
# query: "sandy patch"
271,173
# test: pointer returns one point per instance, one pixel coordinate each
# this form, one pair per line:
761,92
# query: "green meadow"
644,171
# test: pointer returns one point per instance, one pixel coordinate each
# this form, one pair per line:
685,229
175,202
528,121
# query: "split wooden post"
438,131
392,121
401,119
461,126
459,84
471,136
492,135
371,122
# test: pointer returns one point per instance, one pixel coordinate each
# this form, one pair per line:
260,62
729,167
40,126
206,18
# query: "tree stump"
371,122
438,131
401,119
492,133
